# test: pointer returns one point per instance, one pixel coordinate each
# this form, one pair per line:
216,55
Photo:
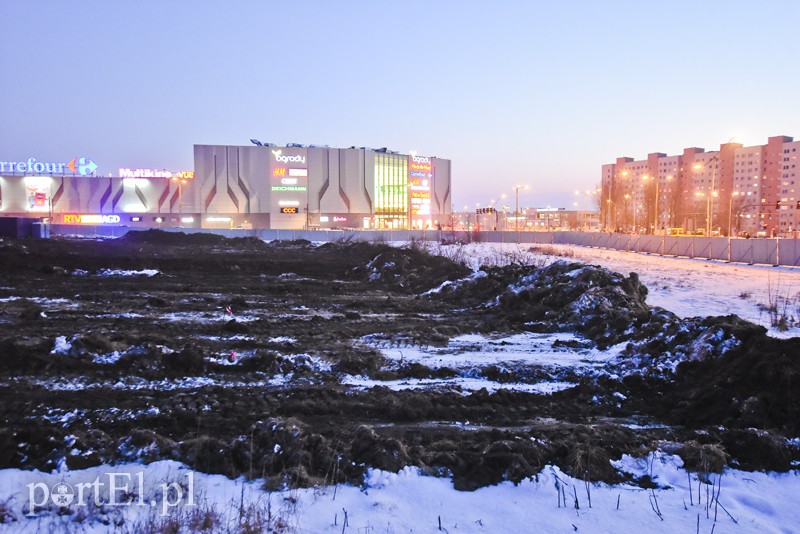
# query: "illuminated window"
391,185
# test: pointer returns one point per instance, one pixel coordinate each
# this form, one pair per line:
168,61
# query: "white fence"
757,250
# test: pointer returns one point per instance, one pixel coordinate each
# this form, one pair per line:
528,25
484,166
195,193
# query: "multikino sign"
154,173
79,166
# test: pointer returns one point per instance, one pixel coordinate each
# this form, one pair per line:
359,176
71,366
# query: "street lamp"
730,223
516,208
700,195
612,215
646,178
730,212
582,216
713,192
627,197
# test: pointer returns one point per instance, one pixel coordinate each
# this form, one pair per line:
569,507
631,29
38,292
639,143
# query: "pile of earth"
697,370
314,436
729,391
409,269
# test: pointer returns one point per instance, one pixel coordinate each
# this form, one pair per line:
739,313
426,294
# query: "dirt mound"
755,385
591,300
233,360
160,237
410,269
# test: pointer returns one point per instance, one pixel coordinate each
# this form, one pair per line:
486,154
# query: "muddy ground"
230,359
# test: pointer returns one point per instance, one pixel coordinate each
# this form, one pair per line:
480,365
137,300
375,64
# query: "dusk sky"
536,93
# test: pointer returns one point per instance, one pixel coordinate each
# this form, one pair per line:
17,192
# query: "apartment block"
730,191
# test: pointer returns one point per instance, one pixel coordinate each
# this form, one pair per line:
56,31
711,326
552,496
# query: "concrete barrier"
762,251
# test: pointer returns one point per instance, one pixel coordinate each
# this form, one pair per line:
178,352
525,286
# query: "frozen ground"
553,362
408,501
687,287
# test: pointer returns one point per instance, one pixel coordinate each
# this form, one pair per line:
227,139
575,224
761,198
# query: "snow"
685,286
546,355
477,275
107,359
408,501
138,383
122,272
527,348
282,339
62,346
46,302
463,385
206,317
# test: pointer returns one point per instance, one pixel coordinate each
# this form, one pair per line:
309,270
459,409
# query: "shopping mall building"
292,187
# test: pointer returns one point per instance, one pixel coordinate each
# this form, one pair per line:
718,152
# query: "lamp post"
586,209
669,202
645,179
730,212
611,206
730,222
700,194
516,207
627,197
713,192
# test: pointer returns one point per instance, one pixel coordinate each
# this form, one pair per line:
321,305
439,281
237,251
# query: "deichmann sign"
72,218
79,166
289,188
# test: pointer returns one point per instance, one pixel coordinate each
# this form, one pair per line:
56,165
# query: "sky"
513,92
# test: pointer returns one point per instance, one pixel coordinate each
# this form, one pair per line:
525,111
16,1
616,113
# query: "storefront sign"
290,210
80,166
420,174
287,158
38,192
289,188
90,219
155,173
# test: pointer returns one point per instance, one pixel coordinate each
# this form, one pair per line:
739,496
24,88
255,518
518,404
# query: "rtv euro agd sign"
111,490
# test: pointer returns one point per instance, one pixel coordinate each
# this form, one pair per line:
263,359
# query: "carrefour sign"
78,166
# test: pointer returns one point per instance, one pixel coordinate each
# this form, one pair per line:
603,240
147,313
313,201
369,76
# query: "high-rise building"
731,191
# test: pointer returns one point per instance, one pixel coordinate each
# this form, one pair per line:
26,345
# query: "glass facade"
391,191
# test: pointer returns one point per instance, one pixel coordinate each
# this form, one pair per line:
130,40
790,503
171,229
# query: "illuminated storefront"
293,187
297,187
420,178
73,193
391,191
